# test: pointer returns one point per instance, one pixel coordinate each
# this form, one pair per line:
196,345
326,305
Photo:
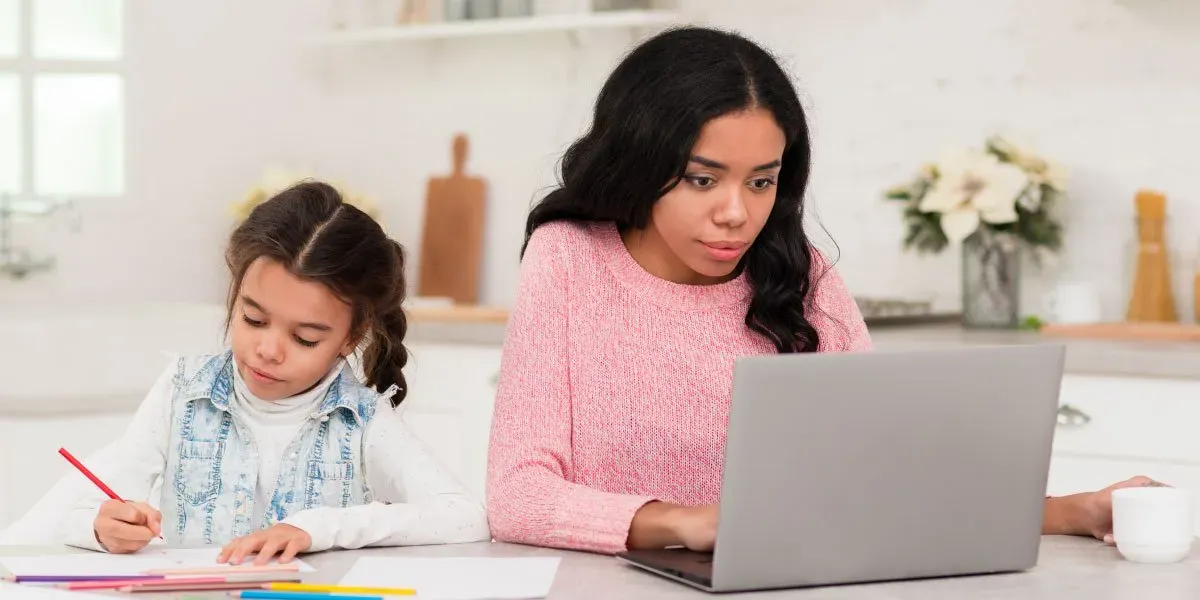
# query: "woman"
674,244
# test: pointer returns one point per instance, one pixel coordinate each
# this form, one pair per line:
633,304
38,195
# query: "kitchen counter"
1067,569
1117,358
1084,356
485,327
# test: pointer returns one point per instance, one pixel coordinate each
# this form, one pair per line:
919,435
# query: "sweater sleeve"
530,496
417,502
129,466
834,312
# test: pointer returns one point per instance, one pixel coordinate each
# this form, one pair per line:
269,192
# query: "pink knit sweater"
615,388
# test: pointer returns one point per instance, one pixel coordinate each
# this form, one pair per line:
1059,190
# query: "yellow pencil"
338,589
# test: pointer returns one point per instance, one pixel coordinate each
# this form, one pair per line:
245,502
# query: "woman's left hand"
1095,514
285,540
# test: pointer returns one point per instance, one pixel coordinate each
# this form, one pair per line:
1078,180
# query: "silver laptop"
879,466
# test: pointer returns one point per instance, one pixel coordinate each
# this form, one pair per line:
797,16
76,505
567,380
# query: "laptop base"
678,564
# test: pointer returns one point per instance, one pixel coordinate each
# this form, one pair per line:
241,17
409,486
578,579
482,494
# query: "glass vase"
991,276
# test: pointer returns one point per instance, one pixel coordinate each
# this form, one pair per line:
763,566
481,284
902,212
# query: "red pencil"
89,475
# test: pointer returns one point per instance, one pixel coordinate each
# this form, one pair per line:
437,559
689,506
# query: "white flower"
1039,170
276,180
974,186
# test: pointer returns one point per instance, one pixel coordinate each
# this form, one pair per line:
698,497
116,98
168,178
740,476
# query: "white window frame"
26,67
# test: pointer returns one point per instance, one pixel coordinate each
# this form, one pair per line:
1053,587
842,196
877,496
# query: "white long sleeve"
130,466
417,501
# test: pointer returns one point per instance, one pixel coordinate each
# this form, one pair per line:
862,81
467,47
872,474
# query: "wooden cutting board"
452,240
1161,332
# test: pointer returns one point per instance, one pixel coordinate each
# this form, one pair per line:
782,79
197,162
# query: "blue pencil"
281,595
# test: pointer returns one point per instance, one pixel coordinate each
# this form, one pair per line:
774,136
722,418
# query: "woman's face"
700,230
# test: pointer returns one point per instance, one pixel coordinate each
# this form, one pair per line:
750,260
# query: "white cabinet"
29,459
1122,427
1112,428
452,389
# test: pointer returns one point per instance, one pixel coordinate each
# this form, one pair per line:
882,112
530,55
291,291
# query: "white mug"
1153,524
1074,302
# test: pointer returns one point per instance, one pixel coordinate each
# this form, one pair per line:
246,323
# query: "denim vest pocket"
197,477
331,471
330,483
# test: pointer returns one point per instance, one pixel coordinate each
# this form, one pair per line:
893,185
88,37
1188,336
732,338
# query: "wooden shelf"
500,26
457,314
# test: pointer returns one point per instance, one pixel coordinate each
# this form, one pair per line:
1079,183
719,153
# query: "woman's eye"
701,181
762,185
252,322
304,342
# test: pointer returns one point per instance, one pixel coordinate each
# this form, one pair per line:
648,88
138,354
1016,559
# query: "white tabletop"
1067,568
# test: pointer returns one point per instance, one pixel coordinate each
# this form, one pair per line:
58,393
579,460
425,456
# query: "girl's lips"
262,375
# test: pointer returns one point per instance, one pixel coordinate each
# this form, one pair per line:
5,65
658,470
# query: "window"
62,105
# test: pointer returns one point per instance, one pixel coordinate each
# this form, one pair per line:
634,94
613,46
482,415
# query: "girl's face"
702,228
286,333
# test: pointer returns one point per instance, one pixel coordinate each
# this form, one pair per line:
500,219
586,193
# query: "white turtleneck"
273,425
417,501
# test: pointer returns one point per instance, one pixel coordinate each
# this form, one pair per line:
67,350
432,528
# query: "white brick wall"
1111,88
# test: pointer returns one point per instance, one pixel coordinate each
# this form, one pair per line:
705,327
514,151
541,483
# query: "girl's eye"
252,322
304,342
762,185
701,181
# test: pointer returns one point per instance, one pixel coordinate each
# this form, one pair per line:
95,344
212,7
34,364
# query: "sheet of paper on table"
457,578
96,563
13,591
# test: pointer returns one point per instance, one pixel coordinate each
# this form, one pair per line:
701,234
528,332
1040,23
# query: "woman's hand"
697,527
285,540
661,525
1088,513
126,527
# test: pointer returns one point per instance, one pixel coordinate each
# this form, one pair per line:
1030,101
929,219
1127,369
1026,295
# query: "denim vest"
212,460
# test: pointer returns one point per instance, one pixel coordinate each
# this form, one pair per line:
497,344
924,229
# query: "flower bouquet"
992,202
275,181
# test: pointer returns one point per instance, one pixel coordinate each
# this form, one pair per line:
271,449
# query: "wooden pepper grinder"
1152,299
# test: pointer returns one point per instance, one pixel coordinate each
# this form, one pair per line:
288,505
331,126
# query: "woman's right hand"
661,525
697,527
126,527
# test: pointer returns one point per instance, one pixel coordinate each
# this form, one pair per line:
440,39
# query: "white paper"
12,591
97,563
458,578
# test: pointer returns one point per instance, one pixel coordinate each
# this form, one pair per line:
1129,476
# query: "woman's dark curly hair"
647,119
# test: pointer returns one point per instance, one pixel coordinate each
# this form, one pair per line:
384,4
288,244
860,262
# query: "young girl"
674,244
274,447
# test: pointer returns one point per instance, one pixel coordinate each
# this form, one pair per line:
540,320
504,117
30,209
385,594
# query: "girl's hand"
126,527
285,540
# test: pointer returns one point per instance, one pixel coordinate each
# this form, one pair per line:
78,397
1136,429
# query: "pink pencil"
194,587
174,581
233,569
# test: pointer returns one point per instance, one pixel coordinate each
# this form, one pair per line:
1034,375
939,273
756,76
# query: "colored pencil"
96,480
227,569
339,589
259,578
274,595
75,578
190,587
89,475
